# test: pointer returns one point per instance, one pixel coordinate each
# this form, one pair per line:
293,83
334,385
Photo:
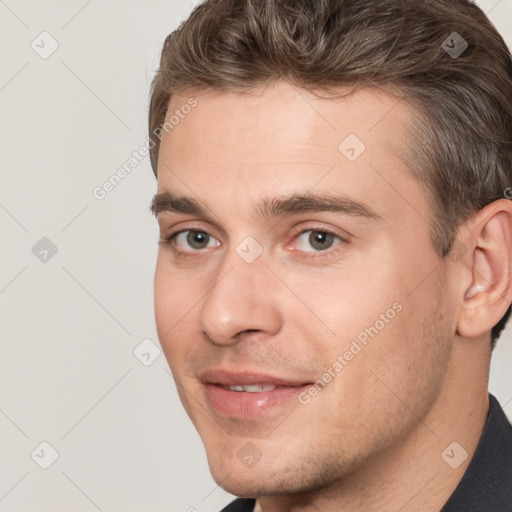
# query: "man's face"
341,313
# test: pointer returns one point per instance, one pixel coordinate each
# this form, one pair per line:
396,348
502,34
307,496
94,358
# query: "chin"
265,480
249,483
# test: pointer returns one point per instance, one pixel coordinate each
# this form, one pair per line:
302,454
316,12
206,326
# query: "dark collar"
487,483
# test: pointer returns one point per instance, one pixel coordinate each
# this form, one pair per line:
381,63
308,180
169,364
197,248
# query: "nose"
242,299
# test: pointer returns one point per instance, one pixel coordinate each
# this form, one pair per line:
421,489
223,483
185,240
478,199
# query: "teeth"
252,388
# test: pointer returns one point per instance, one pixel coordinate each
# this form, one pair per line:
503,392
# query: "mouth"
246,394
252,388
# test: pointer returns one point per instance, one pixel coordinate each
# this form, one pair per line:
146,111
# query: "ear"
489,294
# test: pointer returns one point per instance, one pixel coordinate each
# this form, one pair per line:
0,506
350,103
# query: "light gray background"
69,326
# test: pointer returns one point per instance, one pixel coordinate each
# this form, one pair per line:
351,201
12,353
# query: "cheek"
164,299
174,294
398,369
409,358
341,304
173,310
372,321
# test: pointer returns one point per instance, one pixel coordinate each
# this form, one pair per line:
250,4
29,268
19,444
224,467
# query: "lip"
229,378
242,404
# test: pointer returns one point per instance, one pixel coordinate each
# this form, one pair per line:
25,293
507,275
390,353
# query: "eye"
191,240
318,240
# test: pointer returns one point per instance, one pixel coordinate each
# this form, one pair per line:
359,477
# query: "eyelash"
169,240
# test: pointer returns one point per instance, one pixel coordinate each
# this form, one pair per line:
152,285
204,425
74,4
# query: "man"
336,249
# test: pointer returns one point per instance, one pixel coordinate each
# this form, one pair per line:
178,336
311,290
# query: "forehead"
282,115
284,140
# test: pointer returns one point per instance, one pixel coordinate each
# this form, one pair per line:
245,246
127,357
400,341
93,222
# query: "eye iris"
197,239
320,240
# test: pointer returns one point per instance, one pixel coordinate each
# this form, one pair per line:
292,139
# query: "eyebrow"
294,204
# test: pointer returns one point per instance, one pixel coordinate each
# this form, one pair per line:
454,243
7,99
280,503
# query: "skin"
372,439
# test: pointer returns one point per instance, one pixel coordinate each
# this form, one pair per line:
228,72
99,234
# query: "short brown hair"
461,141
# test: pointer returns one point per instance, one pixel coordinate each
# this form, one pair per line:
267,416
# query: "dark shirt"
486,486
